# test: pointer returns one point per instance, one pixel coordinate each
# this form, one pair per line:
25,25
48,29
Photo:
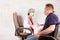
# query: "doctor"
28,21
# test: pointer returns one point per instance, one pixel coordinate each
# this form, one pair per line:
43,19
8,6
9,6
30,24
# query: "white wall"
7,7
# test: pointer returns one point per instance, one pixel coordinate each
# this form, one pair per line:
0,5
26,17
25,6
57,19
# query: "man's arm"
50,29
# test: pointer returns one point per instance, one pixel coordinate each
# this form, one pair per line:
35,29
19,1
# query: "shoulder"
53,16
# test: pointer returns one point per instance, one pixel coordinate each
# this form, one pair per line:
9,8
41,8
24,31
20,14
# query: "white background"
7,7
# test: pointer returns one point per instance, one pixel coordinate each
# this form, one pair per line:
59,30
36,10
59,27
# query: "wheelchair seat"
51,37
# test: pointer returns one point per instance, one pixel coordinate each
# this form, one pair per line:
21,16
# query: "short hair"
50,5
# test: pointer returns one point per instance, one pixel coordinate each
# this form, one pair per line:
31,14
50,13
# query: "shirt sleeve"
53,20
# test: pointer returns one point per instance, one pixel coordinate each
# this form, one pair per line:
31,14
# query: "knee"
31,37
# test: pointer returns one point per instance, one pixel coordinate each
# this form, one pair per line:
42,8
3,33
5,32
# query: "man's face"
31,14
48,10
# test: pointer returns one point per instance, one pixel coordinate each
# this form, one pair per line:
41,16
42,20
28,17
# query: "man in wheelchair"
49,26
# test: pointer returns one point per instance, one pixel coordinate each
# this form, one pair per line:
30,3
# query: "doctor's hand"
24,33
31,25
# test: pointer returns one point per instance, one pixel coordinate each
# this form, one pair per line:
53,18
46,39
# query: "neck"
30,17
49,13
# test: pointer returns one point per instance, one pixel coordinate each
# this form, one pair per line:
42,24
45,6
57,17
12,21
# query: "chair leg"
22,38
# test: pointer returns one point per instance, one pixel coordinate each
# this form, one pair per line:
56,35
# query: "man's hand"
37,35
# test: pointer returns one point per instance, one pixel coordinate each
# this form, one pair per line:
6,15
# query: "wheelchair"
19,29
46,36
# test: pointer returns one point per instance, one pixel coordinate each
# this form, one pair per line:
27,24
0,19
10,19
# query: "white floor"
7,33
5,37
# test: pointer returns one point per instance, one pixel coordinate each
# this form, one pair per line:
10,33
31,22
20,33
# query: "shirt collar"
50,14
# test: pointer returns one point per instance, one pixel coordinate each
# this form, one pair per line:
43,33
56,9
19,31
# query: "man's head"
49,8
31,12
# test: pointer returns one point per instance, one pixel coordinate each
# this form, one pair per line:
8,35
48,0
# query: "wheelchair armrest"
21,33
51,37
